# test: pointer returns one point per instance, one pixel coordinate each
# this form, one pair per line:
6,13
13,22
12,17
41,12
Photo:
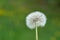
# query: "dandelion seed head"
35,17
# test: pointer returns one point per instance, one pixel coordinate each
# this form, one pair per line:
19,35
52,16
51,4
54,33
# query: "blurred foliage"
14,12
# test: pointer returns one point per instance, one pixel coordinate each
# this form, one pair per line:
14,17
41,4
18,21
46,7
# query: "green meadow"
13,16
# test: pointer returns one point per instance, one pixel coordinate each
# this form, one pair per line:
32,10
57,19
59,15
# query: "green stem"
36,32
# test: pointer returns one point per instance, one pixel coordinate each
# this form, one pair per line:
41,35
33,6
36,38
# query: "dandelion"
34,20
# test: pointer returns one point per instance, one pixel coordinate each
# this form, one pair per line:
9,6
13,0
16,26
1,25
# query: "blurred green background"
14,12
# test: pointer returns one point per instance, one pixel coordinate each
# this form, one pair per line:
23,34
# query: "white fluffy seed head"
35,17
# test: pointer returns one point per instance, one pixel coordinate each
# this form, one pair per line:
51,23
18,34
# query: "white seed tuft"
36,17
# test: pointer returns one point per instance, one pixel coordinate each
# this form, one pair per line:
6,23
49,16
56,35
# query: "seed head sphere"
36,19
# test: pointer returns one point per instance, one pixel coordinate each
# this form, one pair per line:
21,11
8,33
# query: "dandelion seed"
34,20
35,17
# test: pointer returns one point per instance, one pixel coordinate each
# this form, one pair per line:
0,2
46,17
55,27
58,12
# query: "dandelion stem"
36,32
